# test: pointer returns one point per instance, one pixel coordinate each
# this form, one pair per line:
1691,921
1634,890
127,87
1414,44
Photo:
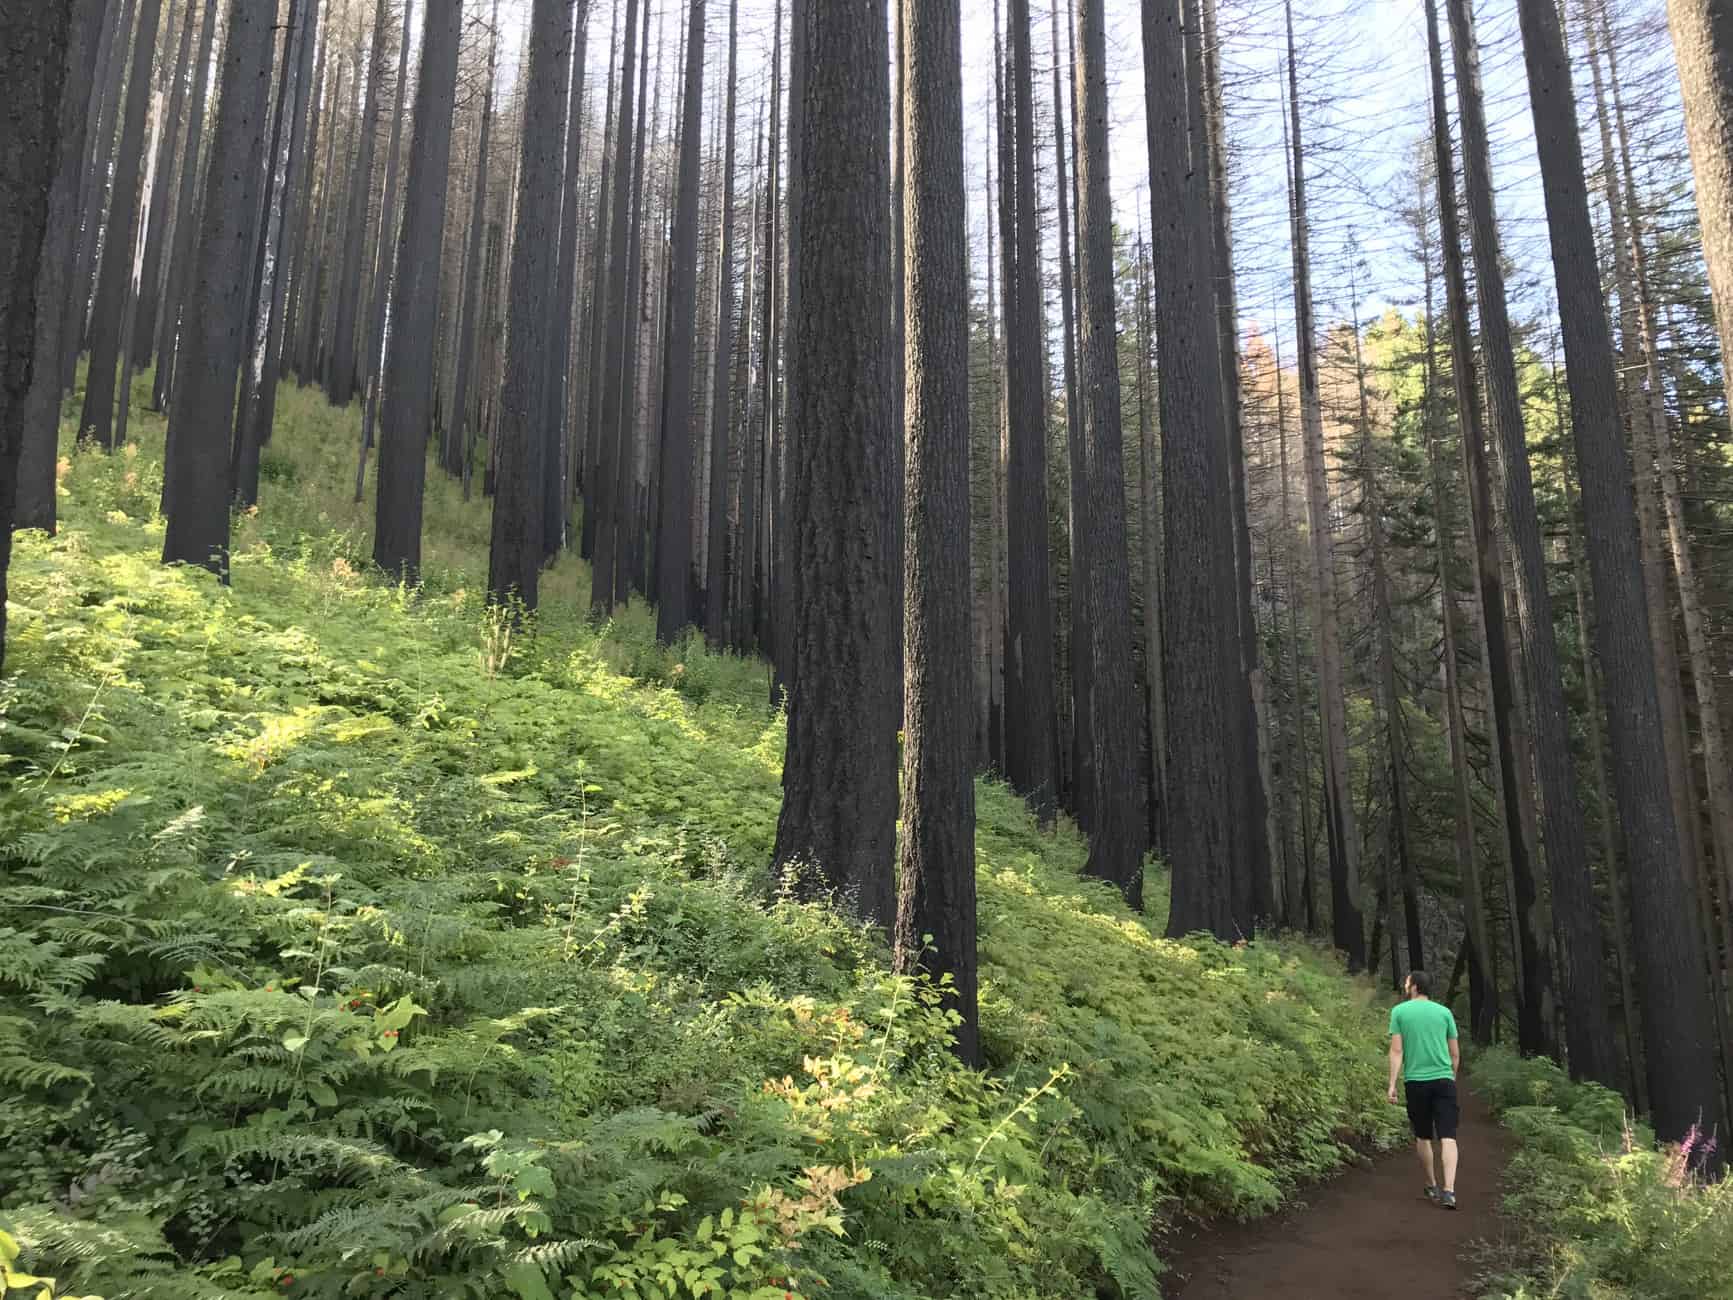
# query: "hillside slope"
350,945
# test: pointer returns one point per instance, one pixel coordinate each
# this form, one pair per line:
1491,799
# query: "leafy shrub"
1613,1215
349,947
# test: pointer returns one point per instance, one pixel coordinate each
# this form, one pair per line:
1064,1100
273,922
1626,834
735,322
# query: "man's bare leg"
1448,1155
1423,1148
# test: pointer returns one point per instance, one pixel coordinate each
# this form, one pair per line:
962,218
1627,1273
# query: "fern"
290,987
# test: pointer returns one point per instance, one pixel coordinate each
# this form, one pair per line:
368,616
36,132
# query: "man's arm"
1455,1057
1396,1063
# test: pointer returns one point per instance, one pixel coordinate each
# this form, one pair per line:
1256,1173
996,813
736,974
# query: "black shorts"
1432,1110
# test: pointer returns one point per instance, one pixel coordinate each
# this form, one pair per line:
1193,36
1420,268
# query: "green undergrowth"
1606,1214
353,944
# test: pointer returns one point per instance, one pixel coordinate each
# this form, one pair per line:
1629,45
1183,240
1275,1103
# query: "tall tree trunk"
202,408
407,384
613,446
778,503
344,343
186,221
463,420
1298,912
936,898
1199,840
1613,876
839,778
1030,741
514,564
716,517
1005,223
1082,641
1347,926
555,494
1536,643
745,585
92,202
97,421
1482,978
674,533
1652,440
1149,504
1118,831
245,446
38,410
310,311
261,409
1676,1002
384,273
628,520
772,313
1703,47
597,472
34,61
156,235
317,113
1254,882
1396,745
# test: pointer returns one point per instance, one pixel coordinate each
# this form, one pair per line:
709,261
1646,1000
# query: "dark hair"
1422,982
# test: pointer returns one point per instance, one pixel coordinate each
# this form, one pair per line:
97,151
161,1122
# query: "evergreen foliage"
356,941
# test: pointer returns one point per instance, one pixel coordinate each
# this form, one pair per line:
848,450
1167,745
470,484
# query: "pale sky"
1364,93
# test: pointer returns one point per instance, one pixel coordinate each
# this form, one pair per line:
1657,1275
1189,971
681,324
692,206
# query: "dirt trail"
1365,1234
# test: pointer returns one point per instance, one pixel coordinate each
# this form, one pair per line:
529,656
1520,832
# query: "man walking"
1425,1056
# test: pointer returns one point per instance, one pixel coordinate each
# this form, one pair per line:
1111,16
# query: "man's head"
1418,984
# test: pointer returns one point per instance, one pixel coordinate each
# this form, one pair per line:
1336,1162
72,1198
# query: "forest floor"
1363,1235
354,941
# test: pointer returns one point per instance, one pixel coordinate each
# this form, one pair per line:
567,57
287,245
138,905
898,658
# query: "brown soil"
1365,1235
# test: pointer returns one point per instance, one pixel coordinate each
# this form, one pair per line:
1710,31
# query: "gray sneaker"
1431,1194
1447,1200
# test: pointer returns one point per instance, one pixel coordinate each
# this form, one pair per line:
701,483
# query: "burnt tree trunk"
261,410
38,412
245,446
1591,1046
187,216
92,200
562,305
406,407
716,569
33,68
613,446
115,275
1117,832
1346,923
1670,959
144,332
1703,47
1082,790
673,531
839,806
202,409
515,561
937,879
1030,742
1197,836
384,283
344,343
463,420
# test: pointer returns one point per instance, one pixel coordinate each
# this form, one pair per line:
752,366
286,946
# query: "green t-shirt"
1426,1028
